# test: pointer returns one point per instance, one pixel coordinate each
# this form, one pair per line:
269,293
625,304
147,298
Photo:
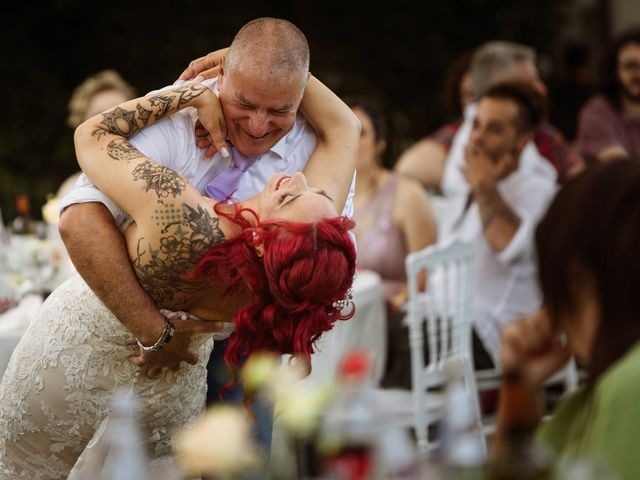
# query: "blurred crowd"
489,175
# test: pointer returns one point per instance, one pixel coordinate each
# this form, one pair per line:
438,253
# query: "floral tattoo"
162,180
188,232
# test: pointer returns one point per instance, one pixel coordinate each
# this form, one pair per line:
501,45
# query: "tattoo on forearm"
143,114
162,180
127,122
162,104
117,122
121,149
187,233
491,206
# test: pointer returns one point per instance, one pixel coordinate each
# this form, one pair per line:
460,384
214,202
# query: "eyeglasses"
630,66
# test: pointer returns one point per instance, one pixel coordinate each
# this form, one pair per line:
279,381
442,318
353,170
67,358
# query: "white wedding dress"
55,395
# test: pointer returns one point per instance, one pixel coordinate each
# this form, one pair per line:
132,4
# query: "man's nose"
258,123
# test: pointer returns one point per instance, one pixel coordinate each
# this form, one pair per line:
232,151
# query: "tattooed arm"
136,183
500,223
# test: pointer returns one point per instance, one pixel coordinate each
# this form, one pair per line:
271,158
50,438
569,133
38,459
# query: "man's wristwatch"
165,337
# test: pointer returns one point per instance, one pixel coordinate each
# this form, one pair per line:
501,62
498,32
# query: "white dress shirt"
171,143
505,284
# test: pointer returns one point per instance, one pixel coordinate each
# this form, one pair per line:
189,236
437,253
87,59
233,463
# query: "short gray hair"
273,46
494,60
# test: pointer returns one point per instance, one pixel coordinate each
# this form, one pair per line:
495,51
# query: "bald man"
260,86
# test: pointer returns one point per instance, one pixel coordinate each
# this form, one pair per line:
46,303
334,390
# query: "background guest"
503,202
393,218
589,272
609,123
492,63
96,94
425,159
392,214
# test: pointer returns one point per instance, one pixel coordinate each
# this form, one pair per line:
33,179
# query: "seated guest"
609,123
492,63
98,93
502,202
425,159
589,271
393,218
392,213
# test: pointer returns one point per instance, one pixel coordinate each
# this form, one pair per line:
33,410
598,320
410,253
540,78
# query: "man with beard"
609,123
503,201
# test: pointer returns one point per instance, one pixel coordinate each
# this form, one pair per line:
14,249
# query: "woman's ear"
381,146
259,248
257,243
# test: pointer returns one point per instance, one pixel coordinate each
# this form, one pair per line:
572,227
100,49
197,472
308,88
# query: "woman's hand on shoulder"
205,67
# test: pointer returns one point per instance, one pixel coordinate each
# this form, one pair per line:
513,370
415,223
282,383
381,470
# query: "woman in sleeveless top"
393,218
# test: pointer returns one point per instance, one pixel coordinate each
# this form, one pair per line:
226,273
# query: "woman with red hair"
282,262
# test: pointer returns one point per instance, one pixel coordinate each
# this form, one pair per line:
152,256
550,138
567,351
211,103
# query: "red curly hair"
304,268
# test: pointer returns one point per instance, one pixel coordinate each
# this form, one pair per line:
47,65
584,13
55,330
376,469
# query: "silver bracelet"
165,337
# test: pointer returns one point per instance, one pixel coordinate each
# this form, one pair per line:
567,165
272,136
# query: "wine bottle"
23,224
517,455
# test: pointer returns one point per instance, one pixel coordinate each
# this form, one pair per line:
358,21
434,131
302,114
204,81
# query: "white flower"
259,371
51,211
301,408
218,443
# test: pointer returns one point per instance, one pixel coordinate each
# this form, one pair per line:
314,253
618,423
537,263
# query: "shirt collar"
280,148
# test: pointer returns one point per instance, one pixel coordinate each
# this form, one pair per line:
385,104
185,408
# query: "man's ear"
221,73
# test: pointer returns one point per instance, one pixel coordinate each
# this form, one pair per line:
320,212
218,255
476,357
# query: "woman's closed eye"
324,194
283,197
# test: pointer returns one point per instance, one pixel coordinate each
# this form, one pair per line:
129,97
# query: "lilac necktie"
226,182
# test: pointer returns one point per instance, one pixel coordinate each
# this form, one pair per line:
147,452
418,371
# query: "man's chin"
249,150
252,147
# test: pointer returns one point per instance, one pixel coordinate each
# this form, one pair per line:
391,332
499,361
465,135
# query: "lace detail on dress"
56,391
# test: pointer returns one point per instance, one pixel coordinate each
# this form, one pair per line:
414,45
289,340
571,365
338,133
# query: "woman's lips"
281,180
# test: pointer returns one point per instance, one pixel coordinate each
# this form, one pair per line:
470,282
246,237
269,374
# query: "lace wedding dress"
55,394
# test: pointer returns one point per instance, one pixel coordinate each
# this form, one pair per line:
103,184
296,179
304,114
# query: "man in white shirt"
260,85
493,63
499,203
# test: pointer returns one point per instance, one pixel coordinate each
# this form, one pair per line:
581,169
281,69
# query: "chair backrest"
444,308
441,314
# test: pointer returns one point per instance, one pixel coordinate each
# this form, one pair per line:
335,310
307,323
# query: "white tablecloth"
366,330
13,323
